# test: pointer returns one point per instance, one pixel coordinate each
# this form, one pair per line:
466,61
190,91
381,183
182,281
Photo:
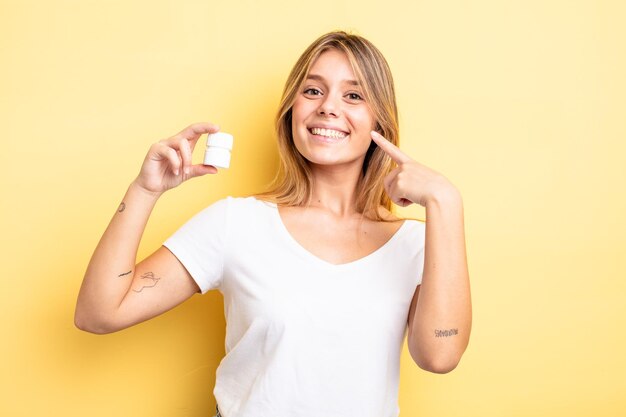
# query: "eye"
354,96
312,92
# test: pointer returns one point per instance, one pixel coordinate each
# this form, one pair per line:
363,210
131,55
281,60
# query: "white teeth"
330,133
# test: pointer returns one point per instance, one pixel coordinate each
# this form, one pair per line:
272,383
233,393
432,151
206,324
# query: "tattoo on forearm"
446,333
125,273
121,207
152,281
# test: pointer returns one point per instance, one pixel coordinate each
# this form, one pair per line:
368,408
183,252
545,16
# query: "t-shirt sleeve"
200,245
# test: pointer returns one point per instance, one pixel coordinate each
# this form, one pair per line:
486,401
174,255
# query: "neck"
334,189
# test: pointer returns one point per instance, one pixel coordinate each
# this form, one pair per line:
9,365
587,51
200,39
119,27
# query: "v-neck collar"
282,229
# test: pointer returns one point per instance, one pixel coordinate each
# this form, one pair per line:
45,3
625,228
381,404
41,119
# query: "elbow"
436,365
92,325
439,367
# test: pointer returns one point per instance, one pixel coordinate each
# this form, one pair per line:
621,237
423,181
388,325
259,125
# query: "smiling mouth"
328,133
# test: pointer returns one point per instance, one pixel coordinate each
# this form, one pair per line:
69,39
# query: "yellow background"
521,104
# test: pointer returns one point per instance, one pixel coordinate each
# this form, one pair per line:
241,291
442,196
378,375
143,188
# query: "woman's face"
331,122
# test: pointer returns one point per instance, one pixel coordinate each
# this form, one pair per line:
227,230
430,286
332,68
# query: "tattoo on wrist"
446,333
121,207
151,281
125,273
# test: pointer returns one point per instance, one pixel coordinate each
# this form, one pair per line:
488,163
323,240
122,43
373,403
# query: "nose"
329,106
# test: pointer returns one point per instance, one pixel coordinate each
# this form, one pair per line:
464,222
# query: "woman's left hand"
411,182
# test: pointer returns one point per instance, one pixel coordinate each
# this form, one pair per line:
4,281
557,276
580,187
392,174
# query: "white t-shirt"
304,337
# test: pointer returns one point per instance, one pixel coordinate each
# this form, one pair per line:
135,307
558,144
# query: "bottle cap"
220,139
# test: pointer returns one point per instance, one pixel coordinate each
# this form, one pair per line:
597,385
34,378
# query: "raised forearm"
442,318
110,271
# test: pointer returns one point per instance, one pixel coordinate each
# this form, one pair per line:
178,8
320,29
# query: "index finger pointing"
389,148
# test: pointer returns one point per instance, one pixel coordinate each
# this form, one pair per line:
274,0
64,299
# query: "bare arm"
440,316
115,292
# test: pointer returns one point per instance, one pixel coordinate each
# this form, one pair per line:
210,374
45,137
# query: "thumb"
200,170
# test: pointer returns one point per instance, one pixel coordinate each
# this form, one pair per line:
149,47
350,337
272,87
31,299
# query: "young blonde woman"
321,282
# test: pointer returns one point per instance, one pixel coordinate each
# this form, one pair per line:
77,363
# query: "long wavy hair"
292,185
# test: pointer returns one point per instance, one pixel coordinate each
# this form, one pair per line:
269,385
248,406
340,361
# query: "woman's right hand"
168,162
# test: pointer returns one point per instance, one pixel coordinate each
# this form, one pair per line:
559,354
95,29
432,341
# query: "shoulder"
231,214
245,210
246,203
233,202
219,209
388,216
410,225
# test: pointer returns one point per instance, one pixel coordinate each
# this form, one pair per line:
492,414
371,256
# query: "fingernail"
176,172
187,170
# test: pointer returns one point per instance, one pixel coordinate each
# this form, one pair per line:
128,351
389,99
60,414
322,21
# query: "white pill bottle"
218,147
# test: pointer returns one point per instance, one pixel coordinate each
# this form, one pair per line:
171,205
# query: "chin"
331,158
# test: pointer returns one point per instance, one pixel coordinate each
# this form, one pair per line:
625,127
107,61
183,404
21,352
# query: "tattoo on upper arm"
121,207
152,281
446,333
125,273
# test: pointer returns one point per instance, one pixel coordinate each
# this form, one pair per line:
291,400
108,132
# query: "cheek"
364,120
298,111
296,118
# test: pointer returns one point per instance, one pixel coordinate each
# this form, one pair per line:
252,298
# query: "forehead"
334,65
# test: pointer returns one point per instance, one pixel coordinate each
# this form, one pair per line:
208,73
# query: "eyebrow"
320,78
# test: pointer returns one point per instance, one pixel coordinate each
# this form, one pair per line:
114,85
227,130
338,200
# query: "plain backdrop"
521,104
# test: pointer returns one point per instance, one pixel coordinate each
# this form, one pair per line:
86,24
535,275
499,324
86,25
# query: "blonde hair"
292,185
